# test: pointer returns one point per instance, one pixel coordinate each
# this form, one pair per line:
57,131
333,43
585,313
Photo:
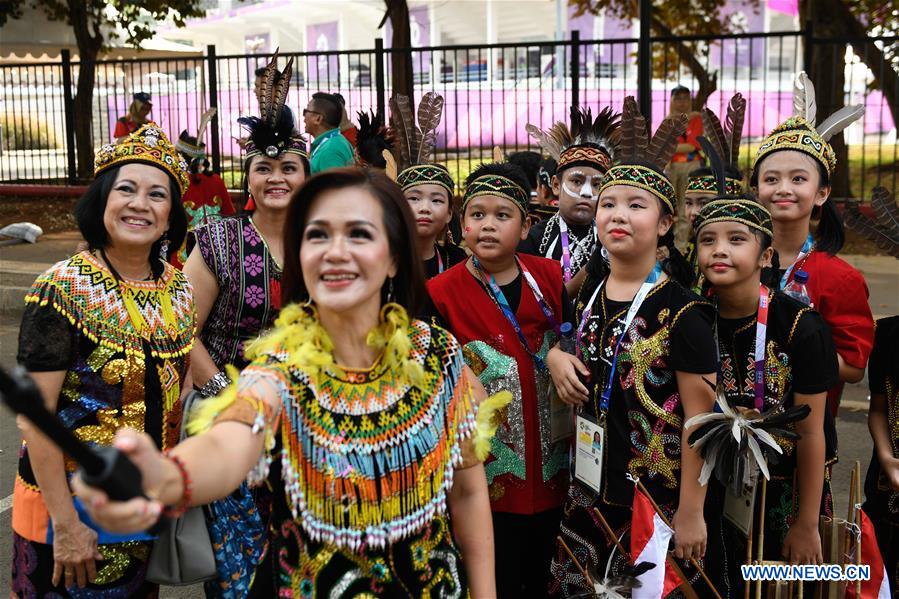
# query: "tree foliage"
96,25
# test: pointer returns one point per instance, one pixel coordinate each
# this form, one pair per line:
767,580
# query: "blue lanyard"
644,290
803,254
499,298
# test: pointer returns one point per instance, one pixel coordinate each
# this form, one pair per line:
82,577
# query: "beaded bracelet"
183,504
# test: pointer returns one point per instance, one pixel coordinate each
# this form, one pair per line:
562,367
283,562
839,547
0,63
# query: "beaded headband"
425,173
739,210
587,155
641,177
497,185
295,144
588,141
709,184
149,145
800,133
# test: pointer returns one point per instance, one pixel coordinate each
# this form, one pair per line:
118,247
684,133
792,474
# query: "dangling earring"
164,247
390,297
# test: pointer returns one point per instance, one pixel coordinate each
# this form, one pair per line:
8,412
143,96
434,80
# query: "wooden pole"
693,561
760,550
577,564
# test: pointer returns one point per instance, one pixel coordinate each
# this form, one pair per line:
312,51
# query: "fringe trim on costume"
175,340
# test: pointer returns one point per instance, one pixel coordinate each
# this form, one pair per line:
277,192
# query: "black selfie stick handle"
105,468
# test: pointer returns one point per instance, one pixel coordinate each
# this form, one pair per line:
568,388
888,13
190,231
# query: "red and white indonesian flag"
878,586
649,543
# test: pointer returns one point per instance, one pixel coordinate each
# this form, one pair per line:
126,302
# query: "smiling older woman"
370,413
105,335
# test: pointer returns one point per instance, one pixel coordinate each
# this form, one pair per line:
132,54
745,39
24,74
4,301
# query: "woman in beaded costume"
791,176
428,186
368,413
645,371
235,269
105,335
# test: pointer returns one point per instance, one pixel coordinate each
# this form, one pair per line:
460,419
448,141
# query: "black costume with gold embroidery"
671,332
799,358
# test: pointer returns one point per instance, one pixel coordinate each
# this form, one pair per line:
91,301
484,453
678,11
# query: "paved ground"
19,264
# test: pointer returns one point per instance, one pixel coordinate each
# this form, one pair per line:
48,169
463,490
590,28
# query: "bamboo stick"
693,561
577,564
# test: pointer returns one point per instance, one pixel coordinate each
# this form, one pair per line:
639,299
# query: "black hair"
529,163
730,171
409,281
547,169
830,235
679,89
502,169
329,107
245,185
92,205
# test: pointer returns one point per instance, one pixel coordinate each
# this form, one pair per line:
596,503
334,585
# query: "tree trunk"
708,82
886,79
89,45
828,72
401,61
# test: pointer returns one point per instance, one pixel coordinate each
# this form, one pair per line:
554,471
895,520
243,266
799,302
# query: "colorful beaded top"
159,312
148,145
800,133
367,456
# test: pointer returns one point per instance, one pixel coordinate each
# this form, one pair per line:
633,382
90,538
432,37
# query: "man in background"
686,159
330,149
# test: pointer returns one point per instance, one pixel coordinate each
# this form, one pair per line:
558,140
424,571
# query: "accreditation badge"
590,444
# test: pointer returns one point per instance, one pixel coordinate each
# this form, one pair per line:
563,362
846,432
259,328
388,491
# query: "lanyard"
761,326
439,259
566,248
807,248
566,252
644,290
499,297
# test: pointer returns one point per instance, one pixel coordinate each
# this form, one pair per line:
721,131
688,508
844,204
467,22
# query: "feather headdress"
371,141
416,142
272,132
641,159
733,442
587,142
884,228
195,147
800,133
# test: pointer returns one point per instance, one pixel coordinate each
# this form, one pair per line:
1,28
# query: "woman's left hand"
690,534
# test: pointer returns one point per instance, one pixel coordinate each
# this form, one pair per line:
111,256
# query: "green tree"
94,23
830,20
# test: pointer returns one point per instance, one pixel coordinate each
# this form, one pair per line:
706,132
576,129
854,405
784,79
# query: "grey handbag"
182,553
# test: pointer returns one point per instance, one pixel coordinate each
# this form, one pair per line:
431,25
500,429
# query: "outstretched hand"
139,513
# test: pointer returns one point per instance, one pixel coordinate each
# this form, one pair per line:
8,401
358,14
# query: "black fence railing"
491,92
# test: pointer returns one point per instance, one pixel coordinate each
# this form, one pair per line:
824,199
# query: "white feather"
759,456
804,98
766,438
839,120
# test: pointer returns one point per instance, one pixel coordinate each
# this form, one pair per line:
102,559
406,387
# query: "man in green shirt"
330,149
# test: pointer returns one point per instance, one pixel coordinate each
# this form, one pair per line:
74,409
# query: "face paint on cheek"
586,190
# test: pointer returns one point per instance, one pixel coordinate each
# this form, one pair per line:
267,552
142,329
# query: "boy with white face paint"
584,153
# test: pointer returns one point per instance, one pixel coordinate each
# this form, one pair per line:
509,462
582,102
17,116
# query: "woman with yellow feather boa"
362,419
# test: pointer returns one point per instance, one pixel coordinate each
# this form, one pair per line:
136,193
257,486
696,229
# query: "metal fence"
490,91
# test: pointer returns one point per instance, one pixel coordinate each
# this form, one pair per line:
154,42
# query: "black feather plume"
371,140
715,161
